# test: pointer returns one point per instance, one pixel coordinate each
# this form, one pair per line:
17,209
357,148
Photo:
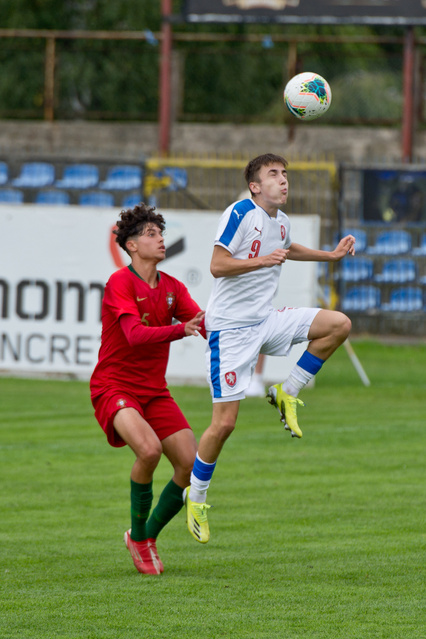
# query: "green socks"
141,496
168,506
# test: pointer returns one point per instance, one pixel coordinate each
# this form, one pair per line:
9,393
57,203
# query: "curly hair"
253,167
134,221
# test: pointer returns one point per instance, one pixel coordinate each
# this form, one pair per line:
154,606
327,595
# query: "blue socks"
310,363
200,480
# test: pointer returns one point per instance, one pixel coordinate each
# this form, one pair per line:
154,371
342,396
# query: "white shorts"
232,354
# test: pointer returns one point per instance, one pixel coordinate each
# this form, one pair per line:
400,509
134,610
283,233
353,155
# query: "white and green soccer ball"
307,95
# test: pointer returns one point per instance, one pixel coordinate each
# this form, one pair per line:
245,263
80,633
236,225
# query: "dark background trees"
231,80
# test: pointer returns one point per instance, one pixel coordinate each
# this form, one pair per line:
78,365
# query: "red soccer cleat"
144,558
153,547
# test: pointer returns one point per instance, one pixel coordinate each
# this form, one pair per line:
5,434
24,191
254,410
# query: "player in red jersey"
128,386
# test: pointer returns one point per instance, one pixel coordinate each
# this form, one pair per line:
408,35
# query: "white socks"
297,379
198,489
200,480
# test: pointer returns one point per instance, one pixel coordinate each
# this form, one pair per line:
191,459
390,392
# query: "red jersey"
134,351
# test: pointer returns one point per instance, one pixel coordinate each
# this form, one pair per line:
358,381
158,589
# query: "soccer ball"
307,96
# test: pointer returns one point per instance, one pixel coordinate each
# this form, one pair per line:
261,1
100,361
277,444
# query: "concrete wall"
132,141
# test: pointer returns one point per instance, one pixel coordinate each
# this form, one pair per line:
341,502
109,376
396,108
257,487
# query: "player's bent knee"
226,429
150,456
346,325
221,430
341,325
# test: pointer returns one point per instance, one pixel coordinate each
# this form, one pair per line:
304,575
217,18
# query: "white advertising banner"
55,261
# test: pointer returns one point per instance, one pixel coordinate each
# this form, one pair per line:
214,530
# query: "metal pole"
348,347
291,71
408,83
49,80
165,78
356,363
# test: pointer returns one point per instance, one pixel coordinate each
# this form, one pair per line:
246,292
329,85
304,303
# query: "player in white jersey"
247,231
252,243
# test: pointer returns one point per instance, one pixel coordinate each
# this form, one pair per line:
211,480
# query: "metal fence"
214,182
115,76
383,289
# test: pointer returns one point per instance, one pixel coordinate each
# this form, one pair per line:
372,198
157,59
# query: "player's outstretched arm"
346,246
192,327
300,253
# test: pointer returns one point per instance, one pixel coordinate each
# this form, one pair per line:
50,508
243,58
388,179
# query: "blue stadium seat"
360,238
179,177
131,201
123,178
356,269
35,175
398,271
4,173
52,197
11,196
391,243
361,298
405,299
96,199
79,176
421,250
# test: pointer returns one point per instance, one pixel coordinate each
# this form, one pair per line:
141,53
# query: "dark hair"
253,167
134,221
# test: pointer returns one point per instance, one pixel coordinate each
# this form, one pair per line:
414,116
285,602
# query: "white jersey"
246,231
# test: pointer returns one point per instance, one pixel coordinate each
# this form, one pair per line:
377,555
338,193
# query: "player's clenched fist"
278,256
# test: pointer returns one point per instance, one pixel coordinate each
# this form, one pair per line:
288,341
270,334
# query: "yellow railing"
213,182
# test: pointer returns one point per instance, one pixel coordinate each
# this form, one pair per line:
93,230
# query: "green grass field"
322,538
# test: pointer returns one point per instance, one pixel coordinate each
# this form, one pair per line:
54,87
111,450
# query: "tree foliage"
218,80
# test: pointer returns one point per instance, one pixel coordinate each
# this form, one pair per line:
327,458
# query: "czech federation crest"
231,378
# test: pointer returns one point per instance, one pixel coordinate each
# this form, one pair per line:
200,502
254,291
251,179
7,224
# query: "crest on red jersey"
121,403
170,299
282,232
231,378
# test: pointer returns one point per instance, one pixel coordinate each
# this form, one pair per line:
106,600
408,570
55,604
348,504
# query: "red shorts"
161,412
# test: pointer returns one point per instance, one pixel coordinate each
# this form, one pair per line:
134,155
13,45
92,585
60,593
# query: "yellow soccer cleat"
196,519
286,405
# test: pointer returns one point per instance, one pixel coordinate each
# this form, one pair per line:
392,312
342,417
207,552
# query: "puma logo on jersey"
237,214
